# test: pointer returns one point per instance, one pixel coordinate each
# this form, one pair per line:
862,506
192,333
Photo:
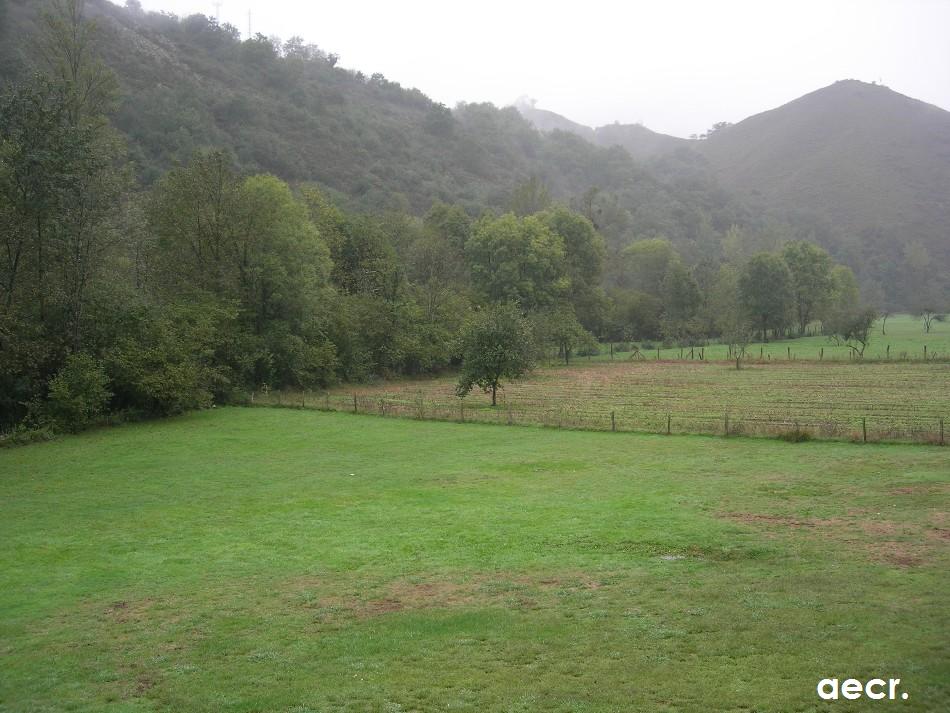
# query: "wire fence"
875,427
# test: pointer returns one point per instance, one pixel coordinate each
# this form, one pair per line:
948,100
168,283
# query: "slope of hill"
639,141
872,163
293,111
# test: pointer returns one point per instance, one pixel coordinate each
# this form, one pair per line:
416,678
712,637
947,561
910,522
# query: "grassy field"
890,400
283,560
904,339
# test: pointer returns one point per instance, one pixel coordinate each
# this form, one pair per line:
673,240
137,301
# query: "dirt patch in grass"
123,611
876,539
499,589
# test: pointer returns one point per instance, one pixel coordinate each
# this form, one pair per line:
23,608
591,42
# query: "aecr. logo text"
851,688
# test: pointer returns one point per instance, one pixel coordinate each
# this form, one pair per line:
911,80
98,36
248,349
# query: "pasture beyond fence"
870,428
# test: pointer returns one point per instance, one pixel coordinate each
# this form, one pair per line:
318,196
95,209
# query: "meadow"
900,338
886,401
288,560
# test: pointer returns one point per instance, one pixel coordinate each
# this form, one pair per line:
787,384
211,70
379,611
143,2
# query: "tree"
852,328
584,256
730,319
681,301
560,327
519,260
810,267
765,292
646,263
530,197
496,343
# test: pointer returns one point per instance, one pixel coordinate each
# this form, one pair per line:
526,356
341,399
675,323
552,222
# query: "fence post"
613,422
941,432
462,410
864,429
789,350
669,420
821,354
355,408
303,400
888,352
925,352
726,431
658,354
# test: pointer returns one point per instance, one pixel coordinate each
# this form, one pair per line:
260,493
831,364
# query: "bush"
796,435
78,395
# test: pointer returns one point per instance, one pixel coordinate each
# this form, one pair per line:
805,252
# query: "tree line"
119,300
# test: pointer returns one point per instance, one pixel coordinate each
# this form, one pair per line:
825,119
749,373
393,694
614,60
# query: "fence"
871,428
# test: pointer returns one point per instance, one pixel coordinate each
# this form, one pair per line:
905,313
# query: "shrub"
796,435
78,394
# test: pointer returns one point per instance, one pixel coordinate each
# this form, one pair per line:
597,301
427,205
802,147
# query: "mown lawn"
279,560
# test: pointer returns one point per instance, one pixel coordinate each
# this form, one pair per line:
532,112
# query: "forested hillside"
291,109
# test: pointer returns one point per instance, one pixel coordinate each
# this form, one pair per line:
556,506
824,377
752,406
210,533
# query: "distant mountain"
639,141
866,167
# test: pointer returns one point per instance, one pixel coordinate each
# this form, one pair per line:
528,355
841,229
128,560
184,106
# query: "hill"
291,109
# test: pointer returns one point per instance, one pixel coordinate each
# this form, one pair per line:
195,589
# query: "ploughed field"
879,400
289,560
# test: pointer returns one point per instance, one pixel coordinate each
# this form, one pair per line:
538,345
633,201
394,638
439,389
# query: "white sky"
677,66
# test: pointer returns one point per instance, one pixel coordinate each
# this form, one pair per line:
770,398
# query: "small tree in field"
496,344
852,328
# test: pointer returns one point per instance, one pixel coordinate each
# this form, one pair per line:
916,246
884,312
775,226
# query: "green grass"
280,560
905,336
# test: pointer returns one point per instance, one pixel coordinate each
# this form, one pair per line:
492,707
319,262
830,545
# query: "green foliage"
78,394
496,344
519,260
812,286
765,291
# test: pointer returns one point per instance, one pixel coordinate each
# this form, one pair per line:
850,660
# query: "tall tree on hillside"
765,292
810,267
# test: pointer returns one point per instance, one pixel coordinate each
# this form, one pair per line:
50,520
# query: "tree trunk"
494,390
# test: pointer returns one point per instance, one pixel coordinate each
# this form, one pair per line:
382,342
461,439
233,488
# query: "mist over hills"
857,168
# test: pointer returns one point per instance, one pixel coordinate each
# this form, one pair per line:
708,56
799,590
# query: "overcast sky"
677,66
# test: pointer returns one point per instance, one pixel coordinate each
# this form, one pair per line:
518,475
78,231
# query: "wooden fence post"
669,420
925,352
941,433
355,408
613,422
658,354
864,429
821,354
726,431
462,410
789,350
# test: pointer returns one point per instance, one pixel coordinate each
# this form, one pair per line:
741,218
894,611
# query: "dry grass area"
888,401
